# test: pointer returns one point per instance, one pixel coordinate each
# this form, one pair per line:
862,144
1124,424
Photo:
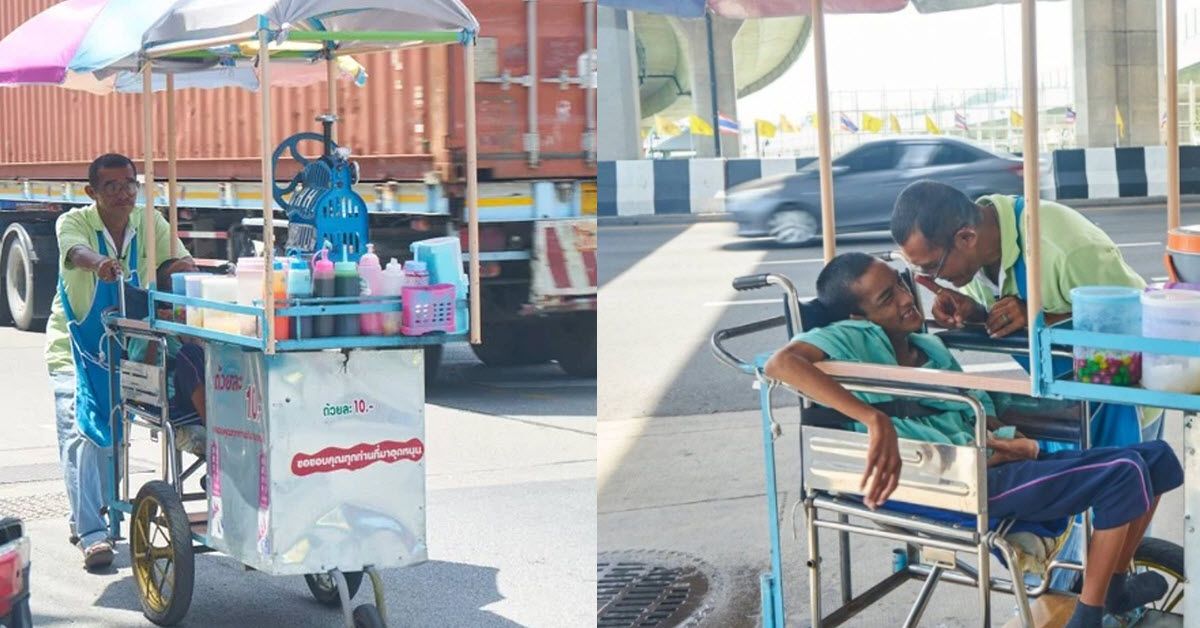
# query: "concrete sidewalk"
694,484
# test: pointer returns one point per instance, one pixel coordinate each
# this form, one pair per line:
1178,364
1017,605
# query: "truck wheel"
514,344
575,344
20,283
433,362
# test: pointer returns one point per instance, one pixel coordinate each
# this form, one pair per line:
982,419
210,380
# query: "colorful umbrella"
66,43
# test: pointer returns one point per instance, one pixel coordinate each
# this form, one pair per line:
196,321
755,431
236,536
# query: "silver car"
866,182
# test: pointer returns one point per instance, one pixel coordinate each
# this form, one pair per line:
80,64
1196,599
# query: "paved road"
511,511
665,289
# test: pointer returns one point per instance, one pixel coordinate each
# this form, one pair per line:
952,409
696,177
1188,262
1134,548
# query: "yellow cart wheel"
367,616
324,589
160,553
1166,558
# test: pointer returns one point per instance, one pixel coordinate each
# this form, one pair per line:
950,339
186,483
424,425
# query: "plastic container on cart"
250,273
372,286
346,283
223,289
443,257
1174,315
393,279
179,283
283,324
195,289
300,286
323,287
428,309
415,274
1109,310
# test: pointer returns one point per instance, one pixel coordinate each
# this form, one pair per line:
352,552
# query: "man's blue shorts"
1119,484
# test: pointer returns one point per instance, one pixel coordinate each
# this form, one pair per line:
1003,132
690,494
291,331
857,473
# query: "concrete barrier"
679,186
695,186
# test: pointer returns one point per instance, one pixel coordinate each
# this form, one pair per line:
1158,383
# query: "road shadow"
613,262
466,384
433,593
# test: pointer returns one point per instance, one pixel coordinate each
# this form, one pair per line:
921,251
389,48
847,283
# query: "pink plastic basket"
427,309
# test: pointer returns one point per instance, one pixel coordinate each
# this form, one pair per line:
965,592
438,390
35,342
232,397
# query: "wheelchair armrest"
975,338
1047,419
920,378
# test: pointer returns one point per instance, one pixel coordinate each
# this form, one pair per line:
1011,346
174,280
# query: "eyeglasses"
924,270
113,188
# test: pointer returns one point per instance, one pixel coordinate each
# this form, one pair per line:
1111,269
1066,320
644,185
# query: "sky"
950,51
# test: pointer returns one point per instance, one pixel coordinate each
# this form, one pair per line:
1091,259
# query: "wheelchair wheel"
324,589
160,553
367,616
1166,558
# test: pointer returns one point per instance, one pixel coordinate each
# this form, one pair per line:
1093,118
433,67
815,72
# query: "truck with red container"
405,128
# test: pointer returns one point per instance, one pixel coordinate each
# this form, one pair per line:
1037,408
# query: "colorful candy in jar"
1112,369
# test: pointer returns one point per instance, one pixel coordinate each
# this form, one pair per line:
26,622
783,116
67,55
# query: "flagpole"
712,81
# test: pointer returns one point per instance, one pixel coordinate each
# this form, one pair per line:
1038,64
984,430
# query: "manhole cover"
32,507
649,589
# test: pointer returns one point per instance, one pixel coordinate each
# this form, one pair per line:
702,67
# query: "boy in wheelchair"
185,367
877,321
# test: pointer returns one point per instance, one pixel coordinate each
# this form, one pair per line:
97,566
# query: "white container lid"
1172,299
251,264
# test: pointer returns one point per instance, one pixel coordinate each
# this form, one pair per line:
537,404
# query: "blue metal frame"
770,584
1044,384
304,307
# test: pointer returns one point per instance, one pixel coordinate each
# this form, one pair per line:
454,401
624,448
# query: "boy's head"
858,286
163,278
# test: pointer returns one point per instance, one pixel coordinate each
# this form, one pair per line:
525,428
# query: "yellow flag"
1015,118
931,126
871,124
698,126
895,123
764,128
786,126
1120,123
665,128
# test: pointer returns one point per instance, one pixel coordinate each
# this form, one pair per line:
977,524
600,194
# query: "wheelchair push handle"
750,282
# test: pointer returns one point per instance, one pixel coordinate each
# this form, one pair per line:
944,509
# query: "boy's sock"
1127,592
1086,616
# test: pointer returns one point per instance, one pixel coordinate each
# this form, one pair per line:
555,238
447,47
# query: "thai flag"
848,124
960,121
727,124
1070,116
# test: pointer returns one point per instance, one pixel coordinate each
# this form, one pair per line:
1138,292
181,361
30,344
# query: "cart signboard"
316,459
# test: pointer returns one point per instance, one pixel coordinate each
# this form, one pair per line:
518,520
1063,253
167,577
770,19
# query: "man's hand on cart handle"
882,475
109,269
951,308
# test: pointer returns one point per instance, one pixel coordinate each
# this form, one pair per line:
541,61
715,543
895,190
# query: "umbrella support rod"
264,97
166,50
472,189
148,211
172,170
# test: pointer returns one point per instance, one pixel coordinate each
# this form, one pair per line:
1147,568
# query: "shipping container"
406,122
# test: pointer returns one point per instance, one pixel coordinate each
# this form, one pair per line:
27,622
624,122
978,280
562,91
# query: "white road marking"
1130,245
812,260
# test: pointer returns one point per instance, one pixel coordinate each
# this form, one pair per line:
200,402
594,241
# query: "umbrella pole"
828,230
472,189
1033,241
172,170
331,82
148,211
264,98
1172,79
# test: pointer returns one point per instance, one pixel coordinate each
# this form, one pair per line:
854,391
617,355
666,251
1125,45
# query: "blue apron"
1112,425
93,396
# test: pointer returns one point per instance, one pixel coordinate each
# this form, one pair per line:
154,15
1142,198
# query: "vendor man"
979,247
97,245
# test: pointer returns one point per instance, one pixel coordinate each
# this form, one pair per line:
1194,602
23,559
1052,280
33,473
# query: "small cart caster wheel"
324,589
160,553
367,616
